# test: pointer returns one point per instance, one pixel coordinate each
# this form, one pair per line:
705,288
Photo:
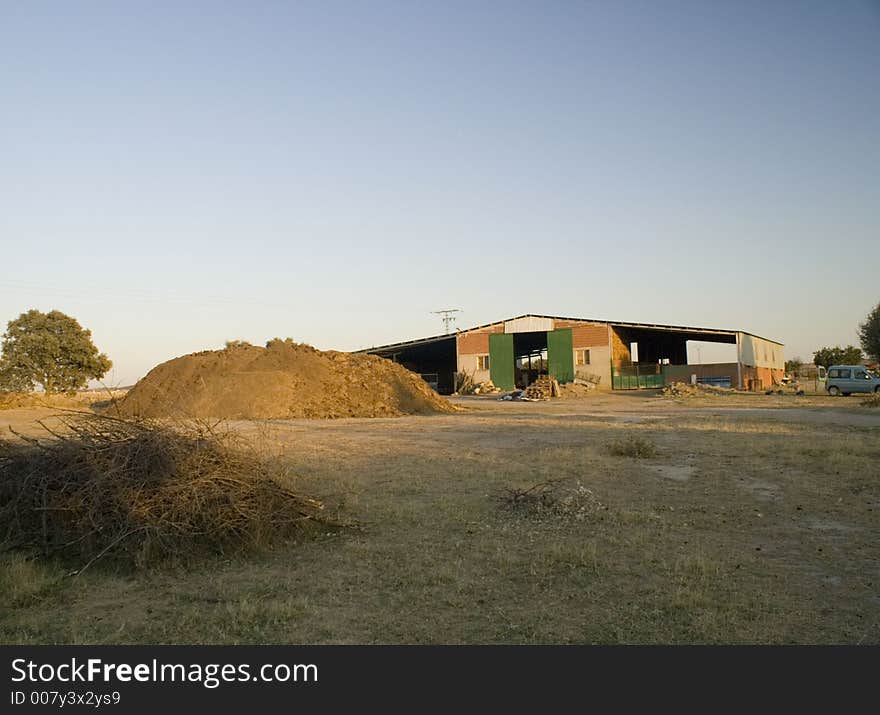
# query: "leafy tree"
51,350
869,333
794,366
850,355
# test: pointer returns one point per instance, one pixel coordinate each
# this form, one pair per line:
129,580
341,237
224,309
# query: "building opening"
433,359
530,357
647,357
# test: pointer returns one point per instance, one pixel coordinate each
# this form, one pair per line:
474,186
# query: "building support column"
739,367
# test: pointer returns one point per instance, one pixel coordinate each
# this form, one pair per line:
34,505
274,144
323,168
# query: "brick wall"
768,376
473,344
585,335
476,342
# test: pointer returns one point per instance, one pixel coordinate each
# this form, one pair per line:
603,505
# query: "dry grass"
871,401
728,535
139,492
24,580
82,400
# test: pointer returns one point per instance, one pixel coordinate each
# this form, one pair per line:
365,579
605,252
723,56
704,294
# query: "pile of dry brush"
557,498
139,492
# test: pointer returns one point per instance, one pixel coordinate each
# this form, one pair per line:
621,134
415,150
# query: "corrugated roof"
623,324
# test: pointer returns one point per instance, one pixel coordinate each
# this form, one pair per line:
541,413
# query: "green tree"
794,366
869,333
51,350
850,355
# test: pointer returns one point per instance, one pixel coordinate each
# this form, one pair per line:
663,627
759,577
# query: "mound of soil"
281,381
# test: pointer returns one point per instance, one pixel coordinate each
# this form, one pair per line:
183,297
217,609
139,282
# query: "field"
740,519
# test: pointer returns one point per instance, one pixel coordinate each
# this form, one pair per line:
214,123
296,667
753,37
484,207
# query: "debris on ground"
137,493
557,498
486,388
587,379
684,389
281,381
577,389
786,388
465,385
546,387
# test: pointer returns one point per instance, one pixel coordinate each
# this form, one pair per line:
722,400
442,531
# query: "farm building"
616,355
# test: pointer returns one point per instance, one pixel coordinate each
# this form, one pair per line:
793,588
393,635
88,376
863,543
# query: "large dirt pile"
282,380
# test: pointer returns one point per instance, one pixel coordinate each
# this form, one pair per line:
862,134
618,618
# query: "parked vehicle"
846,379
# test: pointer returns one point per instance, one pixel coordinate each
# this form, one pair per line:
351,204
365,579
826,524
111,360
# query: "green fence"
637,377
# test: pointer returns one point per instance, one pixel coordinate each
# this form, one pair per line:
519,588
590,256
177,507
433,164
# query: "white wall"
528,324
758,352
600,364
468,364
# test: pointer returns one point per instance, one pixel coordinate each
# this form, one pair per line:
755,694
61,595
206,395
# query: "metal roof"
411,343
622,324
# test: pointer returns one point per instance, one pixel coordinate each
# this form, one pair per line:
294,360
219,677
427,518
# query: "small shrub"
634,446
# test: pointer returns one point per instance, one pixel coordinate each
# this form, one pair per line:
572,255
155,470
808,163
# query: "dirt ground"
756,521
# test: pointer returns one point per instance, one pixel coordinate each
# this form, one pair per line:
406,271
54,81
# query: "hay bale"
139,493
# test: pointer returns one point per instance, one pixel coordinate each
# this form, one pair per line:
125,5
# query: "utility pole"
448,317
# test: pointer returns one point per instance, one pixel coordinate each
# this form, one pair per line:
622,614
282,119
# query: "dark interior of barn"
530,357
433,358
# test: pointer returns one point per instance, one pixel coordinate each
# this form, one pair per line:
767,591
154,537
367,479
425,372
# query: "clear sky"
177,174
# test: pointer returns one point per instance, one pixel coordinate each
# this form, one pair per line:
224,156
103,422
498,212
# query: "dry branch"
142,492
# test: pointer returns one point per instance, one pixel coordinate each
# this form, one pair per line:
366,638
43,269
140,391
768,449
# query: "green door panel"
560,355
501,360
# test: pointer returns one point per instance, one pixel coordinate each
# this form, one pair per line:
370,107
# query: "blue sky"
179,174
